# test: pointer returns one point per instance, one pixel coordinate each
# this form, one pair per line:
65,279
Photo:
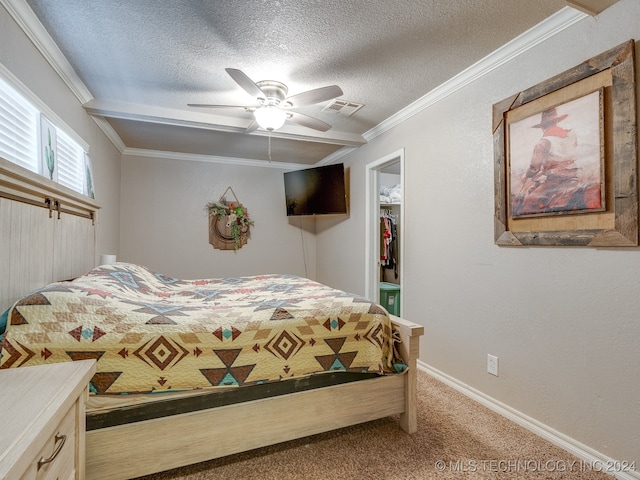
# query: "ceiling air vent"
343,107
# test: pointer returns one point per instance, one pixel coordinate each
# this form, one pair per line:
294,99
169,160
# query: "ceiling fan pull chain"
269,147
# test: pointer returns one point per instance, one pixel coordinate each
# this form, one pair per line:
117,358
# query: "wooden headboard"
47,232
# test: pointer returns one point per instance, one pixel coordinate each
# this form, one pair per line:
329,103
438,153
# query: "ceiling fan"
273,106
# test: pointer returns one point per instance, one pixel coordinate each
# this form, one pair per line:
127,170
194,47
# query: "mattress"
151,333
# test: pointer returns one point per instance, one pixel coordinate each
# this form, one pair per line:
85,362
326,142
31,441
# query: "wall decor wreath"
229,223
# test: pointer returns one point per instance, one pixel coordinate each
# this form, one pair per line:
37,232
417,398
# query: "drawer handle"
59,440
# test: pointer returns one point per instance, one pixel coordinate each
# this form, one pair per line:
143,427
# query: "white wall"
164,224
24,61
389,179
564,322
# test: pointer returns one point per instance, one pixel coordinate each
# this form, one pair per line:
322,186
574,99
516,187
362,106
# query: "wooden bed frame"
35,212
150,446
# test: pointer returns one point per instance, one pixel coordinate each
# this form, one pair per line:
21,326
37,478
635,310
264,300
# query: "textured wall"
165,227
564,322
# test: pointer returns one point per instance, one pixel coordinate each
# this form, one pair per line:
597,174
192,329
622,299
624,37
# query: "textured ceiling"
144,60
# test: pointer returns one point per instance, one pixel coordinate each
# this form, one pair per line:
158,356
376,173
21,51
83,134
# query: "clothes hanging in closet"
388,243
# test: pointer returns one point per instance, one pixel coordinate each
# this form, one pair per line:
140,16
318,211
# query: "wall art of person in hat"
552,182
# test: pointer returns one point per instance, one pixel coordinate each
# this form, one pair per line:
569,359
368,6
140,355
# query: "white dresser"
42,421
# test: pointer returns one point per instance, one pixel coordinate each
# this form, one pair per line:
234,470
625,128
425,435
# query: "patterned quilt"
152,333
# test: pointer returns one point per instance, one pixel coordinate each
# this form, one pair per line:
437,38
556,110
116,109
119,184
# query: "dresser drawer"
56,459
39,403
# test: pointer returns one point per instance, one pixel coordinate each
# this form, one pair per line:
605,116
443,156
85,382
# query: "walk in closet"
390,217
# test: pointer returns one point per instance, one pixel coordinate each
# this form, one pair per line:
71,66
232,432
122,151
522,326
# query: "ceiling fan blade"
253,126
317,95
307,121
208,105
246,83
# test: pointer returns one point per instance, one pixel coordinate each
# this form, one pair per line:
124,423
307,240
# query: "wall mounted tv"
316,191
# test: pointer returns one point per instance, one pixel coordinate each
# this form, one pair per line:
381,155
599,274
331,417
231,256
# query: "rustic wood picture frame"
614,71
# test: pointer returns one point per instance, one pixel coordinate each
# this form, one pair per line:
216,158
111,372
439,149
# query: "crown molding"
35,31
29,23
564,18
553,25
591,7
335,156
193,157
196,119
110,133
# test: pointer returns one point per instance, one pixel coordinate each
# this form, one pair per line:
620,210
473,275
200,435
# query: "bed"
249,357
136,434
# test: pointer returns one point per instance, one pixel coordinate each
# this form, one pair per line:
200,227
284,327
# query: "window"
70,163
18,128
19,139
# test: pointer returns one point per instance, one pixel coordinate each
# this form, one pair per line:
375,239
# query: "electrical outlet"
492,364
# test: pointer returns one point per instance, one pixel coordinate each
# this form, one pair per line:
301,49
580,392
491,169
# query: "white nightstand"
42,418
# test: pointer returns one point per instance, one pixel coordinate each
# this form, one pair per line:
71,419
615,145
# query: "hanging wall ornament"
229,223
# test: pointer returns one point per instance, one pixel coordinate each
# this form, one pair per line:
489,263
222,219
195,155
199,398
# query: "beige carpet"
456,438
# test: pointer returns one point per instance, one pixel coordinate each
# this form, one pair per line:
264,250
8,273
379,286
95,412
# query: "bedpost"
409,350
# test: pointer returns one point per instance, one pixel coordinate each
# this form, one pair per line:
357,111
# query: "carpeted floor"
456,438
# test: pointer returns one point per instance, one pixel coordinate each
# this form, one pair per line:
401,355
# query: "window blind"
18,128
19,140
70,163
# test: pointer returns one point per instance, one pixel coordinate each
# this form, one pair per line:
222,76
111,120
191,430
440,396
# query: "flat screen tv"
316,191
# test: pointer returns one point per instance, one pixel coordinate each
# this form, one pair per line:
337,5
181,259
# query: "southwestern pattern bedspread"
152,333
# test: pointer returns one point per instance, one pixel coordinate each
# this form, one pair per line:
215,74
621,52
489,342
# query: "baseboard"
587,454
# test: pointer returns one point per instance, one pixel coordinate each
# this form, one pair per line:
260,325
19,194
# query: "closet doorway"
384,246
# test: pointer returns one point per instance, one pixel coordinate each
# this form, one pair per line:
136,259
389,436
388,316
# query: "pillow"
3,321
3,325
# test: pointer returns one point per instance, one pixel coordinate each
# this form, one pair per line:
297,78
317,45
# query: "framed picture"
565,157
556,159
48,149
88,177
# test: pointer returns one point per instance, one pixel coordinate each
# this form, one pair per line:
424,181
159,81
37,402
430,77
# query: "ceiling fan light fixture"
270,117
273,105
